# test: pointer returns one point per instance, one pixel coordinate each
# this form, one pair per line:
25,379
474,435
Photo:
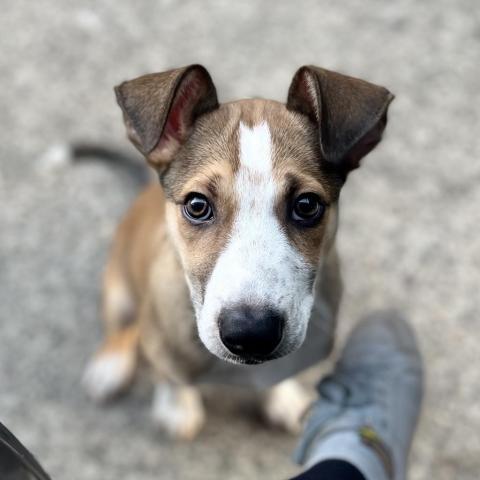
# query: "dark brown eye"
197,209
307,209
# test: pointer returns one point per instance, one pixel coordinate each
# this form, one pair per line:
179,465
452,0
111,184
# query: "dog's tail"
129,164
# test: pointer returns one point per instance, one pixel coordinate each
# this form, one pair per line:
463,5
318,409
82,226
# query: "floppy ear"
160,109
351,114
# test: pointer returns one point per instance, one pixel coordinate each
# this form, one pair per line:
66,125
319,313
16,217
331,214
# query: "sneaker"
368,408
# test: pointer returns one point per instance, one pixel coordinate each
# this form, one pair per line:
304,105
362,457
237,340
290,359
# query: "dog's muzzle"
251,332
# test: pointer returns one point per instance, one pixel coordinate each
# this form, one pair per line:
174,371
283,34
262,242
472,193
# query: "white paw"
286,404
107,374
178,410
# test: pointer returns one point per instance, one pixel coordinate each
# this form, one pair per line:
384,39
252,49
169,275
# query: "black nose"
251,331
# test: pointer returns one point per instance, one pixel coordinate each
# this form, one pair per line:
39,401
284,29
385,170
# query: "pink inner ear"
180,116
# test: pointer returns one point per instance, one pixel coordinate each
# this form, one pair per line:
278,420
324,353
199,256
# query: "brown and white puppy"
237,247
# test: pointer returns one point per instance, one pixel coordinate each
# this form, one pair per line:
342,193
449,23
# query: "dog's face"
252,189
251,212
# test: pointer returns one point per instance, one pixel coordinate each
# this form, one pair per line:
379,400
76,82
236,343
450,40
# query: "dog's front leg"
285,405
177,406
178,410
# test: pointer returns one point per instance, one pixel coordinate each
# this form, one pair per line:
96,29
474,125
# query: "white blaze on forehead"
256,149
258,267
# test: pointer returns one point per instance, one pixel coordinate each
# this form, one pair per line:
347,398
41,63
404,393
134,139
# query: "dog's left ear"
160,109
350,113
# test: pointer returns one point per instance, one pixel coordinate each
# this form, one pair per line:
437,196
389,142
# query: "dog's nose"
253,332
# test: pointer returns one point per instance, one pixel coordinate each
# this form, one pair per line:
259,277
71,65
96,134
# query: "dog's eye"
307,209
197,209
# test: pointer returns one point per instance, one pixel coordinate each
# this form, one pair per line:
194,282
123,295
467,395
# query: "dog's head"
252,189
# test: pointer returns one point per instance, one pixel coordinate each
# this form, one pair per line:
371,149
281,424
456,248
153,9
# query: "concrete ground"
409,233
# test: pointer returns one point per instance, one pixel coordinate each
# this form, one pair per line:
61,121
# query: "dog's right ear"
160,109
350,114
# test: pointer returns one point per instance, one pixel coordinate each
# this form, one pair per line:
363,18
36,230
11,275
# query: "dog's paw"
178,410
108,374
285,406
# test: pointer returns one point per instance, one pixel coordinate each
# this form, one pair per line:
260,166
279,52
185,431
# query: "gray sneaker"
368,408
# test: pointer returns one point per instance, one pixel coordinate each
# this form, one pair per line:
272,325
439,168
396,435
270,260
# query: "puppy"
227,271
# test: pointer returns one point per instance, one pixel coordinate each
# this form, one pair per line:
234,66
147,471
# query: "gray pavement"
409,233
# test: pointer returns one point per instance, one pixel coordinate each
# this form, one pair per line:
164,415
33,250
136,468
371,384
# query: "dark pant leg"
331,470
